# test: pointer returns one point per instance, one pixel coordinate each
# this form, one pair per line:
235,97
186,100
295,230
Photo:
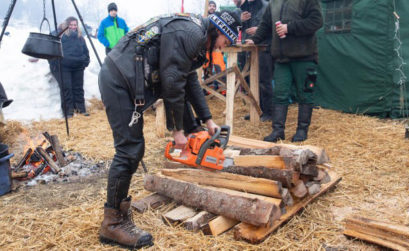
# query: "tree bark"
232,204
198,221
227,180
285,176
253,234
378,232
152,201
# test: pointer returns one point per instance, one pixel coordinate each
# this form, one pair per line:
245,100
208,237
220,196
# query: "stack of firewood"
258,191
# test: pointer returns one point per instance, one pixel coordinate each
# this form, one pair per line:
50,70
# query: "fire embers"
47,162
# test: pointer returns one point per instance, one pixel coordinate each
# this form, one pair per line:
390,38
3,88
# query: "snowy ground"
35,92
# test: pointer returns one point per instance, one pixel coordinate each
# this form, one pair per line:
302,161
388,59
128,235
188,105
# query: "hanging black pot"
40,45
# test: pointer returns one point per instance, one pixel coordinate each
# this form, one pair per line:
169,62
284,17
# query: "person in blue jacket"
112,28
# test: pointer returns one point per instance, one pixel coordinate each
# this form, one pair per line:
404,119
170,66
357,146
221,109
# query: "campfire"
44,160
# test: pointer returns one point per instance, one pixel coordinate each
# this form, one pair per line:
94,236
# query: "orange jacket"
217,60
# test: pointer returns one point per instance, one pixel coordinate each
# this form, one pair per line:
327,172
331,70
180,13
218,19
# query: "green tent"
357,58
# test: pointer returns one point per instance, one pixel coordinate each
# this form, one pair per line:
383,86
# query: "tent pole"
61,82
7,18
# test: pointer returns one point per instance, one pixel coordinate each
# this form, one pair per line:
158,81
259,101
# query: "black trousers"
72,89
266,70
128,141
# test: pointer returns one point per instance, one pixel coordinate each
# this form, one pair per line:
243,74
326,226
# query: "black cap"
4,102
112,6
212,2
227,22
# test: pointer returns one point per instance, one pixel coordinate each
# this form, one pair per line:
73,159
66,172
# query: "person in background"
217,64
292,24
212,7
4,102
252,11
73,64
112,28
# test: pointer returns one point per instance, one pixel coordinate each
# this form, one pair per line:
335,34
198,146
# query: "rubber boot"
304,121
279,117
118,228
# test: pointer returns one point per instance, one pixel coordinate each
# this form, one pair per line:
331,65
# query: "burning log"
23,161
56,146
48,160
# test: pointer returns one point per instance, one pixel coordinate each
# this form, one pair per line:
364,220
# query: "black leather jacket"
182,43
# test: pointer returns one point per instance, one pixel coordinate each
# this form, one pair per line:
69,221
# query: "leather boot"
279,117
118,228
304,121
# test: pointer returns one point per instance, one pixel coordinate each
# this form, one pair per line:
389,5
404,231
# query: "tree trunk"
227,180
285,176
232,204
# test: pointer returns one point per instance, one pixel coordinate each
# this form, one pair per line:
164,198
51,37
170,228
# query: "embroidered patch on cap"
223,27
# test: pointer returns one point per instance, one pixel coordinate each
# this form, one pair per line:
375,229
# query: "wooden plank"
253,143
160,119
382,233
231,79
228,180
252,98
152,201
260,160
215,93
219,225
198,221
178,215
232,204
255,234
254,88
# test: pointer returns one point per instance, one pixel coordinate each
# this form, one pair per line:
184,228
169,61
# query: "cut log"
285,176
255,234
322,176
178,215
218,226
196,222
300,190
382,233
322,156
48,160
232,204
23,161
314,189
287,198
152,201
227,180
17,175
260,160
55,143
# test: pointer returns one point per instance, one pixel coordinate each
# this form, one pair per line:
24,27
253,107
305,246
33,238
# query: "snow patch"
35,93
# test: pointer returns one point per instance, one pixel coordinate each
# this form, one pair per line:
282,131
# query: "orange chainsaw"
201,150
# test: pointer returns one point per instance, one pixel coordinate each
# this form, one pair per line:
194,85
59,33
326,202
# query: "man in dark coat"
252,11
156,60
292,24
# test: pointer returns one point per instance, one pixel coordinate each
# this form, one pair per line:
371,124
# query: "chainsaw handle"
224,136
206,145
